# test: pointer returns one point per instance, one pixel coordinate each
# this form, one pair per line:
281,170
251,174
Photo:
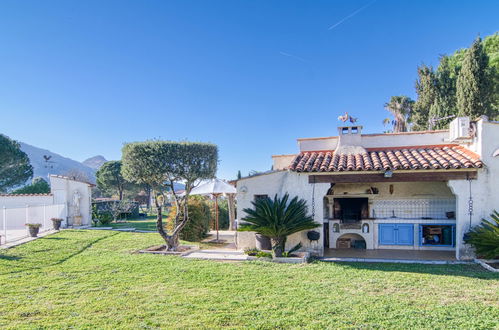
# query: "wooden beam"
396,177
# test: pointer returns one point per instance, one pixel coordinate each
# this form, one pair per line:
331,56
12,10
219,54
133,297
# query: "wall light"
388,174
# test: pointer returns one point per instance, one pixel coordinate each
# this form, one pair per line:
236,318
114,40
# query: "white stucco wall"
63,189
484,190
378,140
281,162
279,183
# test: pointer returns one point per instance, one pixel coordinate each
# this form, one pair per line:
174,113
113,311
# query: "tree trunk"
232,211
277,246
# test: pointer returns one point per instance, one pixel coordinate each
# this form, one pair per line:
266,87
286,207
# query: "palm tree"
277,219
400,107
485,237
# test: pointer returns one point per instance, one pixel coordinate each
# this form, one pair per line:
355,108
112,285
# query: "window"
257,197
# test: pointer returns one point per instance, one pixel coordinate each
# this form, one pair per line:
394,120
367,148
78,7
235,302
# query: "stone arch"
352,237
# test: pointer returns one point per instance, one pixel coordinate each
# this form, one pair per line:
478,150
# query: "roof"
68,178
24,195
432,157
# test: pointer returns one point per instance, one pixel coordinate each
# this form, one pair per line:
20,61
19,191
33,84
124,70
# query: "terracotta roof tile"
392,158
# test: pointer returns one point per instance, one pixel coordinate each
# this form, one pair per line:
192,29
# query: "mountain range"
46,162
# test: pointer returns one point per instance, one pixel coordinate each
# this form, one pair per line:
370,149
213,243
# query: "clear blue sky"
82,77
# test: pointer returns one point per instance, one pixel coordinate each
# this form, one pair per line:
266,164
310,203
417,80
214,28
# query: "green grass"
93,279
148,223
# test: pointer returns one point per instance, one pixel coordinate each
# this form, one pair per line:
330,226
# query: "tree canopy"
400,107
161,164
110,179
15,167
474,83
38,186
465,83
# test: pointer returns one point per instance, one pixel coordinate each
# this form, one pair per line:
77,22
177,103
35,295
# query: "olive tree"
160,164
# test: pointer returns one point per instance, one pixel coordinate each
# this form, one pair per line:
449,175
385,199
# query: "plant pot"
33,231
57,224
262,242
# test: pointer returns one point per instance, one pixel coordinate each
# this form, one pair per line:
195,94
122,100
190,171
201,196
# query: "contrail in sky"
351,15
293,56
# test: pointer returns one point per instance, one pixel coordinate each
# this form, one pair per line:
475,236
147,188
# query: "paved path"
8,245
218,254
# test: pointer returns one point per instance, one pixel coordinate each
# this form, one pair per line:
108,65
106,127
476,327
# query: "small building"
70,196
397,191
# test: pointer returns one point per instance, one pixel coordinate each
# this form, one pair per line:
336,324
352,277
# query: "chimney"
350,135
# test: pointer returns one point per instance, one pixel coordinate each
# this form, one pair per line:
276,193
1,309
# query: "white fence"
13,220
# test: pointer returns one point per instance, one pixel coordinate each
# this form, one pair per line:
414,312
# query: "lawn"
93,279
148,223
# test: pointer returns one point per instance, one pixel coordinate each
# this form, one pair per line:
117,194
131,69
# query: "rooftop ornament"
346,117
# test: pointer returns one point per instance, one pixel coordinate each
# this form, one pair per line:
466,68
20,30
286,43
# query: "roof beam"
396,177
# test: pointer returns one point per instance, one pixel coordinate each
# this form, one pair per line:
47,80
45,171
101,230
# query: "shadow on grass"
55,238
9,258
72,255
459,270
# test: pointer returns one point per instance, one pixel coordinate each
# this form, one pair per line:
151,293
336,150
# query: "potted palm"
34,228
277,219
56,222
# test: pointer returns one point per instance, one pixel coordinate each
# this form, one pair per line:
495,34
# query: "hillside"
57,164
95,162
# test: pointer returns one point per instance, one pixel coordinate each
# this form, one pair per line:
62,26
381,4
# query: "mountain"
57,164
95,162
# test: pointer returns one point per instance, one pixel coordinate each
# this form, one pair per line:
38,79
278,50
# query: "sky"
81,78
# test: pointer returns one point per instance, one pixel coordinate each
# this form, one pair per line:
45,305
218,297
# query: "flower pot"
33,231
57,224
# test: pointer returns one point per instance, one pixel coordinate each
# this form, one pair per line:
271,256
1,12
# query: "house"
68,199
397,191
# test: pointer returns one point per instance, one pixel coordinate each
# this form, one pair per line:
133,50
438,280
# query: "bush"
198,225
485,237
251,251
103,217
223,214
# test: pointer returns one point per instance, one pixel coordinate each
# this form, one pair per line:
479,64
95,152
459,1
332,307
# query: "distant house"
406,191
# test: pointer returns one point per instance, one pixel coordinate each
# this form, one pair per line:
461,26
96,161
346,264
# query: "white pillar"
27,215
5,224
44,216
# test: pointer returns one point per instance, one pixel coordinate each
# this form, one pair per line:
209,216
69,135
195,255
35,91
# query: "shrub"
223,214
263,254
198,225
485,237
277,219
251,251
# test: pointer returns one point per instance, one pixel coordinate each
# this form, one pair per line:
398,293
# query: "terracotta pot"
33,231
57,224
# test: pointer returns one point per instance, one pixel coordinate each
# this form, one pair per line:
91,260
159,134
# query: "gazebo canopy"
214,186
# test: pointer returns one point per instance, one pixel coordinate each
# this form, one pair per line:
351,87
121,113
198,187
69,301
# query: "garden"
95,279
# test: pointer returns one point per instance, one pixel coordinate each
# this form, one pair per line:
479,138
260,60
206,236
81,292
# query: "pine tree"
444,103
427,90
474,83
239,176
